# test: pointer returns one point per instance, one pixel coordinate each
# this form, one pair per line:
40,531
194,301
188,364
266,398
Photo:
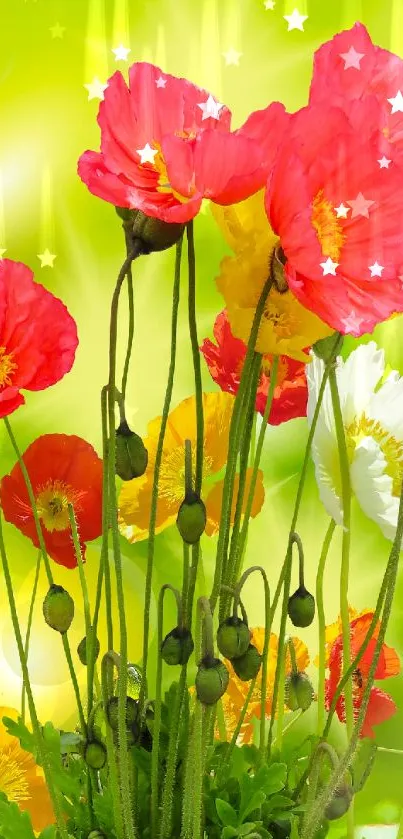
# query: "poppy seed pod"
112,712
247,666
177,646
58,609
192,518
95,754
324,348
233,637
82,649
154,234
298,692
340,802
131,453
301,607
211,681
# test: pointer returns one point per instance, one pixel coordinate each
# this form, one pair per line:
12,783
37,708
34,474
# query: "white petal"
324,449
314,376
373,487
357,378
387,405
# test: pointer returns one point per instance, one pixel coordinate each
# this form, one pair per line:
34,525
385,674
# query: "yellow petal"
214,501
245,224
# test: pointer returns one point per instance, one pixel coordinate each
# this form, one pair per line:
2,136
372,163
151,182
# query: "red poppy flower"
381,706
63,469
166,144
38,337
225,361
339,217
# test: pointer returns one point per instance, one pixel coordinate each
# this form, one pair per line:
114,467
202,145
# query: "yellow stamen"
328,227
52,503
13,777
163,180
283,319
172,475
7,368
391,448
282,369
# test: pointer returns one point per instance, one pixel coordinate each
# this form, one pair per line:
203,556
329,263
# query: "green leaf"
13,822
70,742
246,828
49,832
275,779
226,813
141,759
229,833
18,729
253,804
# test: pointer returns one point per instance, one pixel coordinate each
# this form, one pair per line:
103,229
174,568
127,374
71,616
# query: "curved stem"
291,647
29,627
322,626
279,706
90,640
157,467
196,358
113,781
186,616
208,629
240,721
131,325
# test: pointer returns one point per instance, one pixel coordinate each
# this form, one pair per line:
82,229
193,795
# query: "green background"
46,123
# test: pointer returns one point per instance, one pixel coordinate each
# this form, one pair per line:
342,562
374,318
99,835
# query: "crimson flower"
381,706
38,337
63,469
166,144
225,360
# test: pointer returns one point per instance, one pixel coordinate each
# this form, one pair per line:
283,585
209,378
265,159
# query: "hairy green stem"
196,358
322,626
113,780
131,321
170,774
29,627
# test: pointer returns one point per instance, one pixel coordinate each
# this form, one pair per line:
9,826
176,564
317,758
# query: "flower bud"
233,637
301,607
95,754
82,648
340,802
131,453
191,519
247,666
154,234
277,270
298,692
211,681
58,609
325,347
112,712
177,646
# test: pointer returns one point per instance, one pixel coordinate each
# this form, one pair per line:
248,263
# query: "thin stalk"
113,780
322,626
186,617
74,681
281,689
157,468
90,640
170,773
54,797
281,639
196,358
29,626
240,722
286,728
131,326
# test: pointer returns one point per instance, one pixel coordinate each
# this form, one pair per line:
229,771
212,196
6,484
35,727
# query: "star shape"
352,323
57,30
295,20
329,267
2,252
95,89
47,258
376,269
352,58
121,52
384,162
211,108
360,206
160,82
147,154
341,211
269,4
232,57
397,102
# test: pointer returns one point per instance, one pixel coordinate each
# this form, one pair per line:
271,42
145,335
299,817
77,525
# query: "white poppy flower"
373,422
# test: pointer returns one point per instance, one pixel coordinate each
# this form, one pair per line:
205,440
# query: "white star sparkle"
121,52
295,20
46,258
352,58
341,211
160,82
376,269
329,267
232,57
384,162
147,154
352,323
360,206
269,4
211,108
397,102
96,89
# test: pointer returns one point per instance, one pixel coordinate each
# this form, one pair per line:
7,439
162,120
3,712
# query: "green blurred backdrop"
50,49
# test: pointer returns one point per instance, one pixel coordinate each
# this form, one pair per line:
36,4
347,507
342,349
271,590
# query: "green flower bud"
131,712
131,453
95,754
301,607
191,519
211,681
324,348
247,666
58,609
233,637
298,692
82,648
177,646
340,802
277,270
155,235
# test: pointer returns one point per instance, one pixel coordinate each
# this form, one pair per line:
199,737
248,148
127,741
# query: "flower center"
391,448
282,369
163,180
284,321
328,228
7,368
172,475
52,503
13,778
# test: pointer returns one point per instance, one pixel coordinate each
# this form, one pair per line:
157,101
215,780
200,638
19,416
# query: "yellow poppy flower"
135,495
286,328
234,699
21,780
